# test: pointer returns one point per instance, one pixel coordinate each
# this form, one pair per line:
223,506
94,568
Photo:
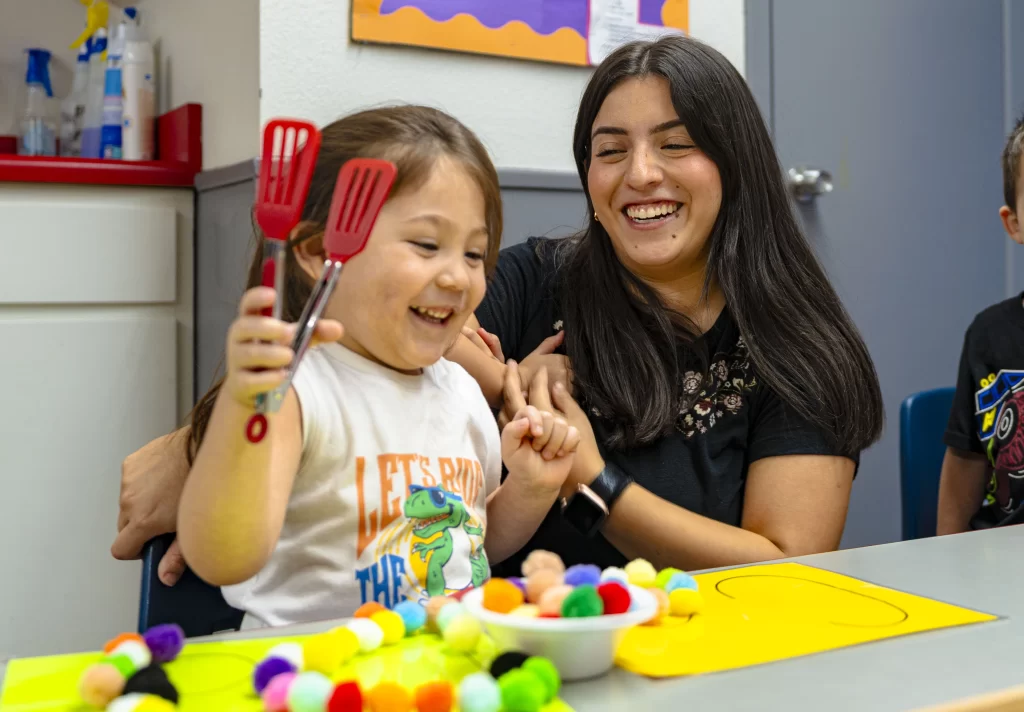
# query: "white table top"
976,570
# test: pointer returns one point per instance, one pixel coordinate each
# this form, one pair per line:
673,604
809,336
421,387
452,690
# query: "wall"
523,111
1013,88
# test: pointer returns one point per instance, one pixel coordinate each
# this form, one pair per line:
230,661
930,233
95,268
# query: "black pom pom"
152,680
507,661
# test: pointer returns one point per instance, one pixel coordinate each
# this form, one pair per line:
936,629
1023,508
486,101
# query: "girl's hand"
588,462
259,347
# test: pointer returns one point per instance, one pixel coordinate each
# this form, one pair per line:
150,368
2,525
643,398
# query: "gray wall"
1013,69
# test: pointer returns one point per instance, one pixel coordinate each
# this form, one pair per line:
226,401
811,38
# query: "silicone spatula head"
290,149
363,187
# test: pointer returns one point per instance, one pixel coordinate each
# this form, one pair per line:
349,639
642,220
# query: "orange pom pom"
109,647
368,609
100,684
437,696
502,596
388,697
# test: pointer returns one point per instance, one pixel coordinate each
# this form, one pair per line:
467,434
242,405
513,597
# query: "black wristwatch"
589,507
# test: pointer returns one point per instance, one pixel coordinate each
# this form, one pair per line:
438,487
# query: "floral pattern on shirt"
705,400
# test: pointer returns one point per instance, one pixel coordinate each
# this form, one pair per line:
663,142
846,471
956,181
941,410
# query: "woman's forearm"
514,512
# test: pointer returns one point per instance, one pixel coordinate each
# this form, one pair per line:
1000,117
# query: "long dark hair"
622,341
413,138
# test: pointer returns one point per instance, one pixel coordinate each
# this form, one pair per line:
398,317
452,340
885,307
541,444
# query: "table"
976,570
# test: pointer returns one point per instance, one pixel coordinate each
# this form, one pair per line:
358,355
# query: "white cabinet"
96,359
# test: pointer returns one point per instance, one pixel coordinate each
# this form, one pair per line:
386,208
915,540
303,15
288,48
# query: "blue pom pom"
680,580
413,614
583,575
268,670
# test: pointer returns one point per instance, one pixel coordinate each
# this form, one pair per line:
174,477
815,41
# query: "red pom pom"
347,697
615,597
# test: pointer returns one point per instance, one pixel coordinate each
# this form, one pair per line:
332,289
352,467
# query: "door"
902,102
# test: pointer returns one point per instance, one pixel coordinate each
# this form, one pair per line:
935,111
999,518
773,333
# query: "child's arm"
486,370
961,488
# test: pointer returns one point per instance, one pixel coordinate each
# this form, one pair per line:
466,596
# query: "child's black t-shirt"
988,407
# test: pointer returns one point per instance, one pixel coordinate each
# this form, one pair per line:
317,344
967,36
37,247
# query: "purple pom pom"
520,582
583,575
268,670
164,642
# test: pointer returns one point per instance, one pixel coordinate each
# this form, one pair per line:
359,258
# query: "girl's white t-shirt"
389,501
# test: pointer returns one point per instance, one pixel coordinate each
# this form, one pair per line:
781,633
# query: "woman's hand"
487,342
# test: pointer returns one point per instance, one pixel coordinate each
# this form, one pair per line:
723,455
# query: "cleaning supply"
113,97
38,129
138,77
72,109
95,32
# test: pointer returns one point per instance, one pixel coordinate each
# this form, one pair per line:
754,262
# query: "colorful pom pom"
685,602
582,575
267,670
519,582
521,691
136,651
550,603
641,573
309,692
100,684
511,660
152,703
369,633
664,607
664,575
368,609
463,633
126,703
433,608
615,597
540,581
322,653
292,652
124,664
413,615
614,573
546,671
108,648
539,559
527,610
388,697
348,643
501,596
275,694
582,602
479,692
347,697
392,624
680,580
437,696
152,680
165,642
448,614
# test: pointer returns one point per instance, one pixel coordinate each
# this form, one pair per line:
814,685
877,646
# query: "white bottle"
92,122
72,109
138,75
113,94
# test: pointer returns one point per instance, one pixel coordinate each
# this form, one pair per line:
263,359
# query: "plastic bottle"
39,129
72,109
113,97
92,122
138,73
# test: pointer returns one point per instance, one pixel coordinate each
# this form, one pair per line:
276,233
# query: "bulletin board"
576,32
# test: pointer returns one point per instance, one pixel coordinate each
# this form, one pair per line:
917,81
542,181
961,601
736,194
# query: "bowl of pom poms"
577,617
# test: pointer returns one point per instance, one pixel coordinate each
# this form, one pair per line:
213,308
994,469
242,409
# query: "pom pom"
519,582
547,673
309,692
479,692
615,597
348,643
124,665
437,696
501,596
550,603
392,624
322,653
664,575
275,695
641,573
540,582
388,697
521,691
583,602
539,559
413,615
511,660
527,610
100,683
152,680
152,703
582,575
448,614
685,602
368,609
463,633
108,648
292,652
267,670
135,651
614,573
434,606
680,580
369,633
347,697
165,642
663,605
126,703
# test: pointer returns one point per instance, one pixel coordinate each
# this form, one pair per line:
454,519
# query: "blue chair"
195,605
923,418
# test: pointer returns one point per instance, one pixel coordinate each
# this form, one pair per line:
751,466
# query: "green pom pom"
583,602
521,691
661,580
547,673
124,664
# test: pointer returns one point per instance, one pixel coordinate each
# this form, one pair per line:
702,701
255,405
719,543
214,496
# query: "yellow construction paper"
760,614
218,676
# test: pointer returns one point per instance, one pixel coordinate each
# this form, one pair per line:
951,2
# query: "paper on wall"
615,22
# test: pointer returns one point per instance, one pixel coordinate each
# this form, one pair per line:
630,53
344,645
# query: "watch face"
585,512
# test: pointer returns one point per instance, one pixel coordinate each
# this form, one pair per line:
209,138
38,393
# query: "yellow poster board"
760,614
218,676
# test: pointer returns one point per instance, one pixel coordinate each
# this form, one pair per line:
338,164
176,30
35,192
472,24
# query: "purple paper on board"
650,12
542,16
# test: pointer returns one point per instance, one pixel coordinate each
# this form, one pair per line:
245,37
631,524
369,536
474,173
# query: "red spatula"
363,186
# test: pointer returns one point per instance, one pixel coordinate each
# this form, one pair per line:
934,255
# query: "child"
379,476
983,472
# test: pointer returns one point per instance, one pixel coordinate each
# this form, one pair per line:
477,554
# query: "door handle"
806,183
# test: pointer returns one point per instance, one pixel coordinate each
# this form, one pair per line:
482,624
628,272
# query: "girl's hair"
414,138
623,344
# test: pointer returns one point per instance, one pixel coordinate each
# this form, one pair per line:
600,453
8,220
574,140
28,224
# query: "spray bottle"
72,109
97,16
39,130
113,94
139,75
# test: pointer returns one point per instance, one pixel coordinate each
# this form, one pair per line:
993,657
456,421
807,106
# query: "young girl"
379,475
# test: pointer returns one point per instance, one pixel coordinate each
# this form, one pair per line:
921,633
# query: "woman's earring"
595,217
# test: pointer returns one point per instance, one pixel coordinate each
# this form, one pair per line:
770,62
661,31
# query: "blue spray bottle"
39,128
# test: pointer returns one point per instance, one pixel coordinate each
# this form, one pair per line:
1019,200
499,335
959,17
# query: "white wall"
523,111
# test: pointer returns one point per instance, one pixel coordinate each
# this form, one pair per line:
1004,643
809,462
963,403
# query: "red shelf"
179,147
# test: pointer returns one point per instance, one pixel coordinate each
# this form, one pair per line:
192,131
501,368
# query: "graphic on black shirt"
1000,404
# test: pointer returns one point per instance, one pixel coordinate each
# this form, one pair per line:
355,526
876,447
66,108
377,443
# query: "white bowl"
579,647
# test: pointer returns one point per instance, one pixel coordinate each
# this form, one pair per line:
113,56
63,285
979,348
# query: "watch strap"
610,484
